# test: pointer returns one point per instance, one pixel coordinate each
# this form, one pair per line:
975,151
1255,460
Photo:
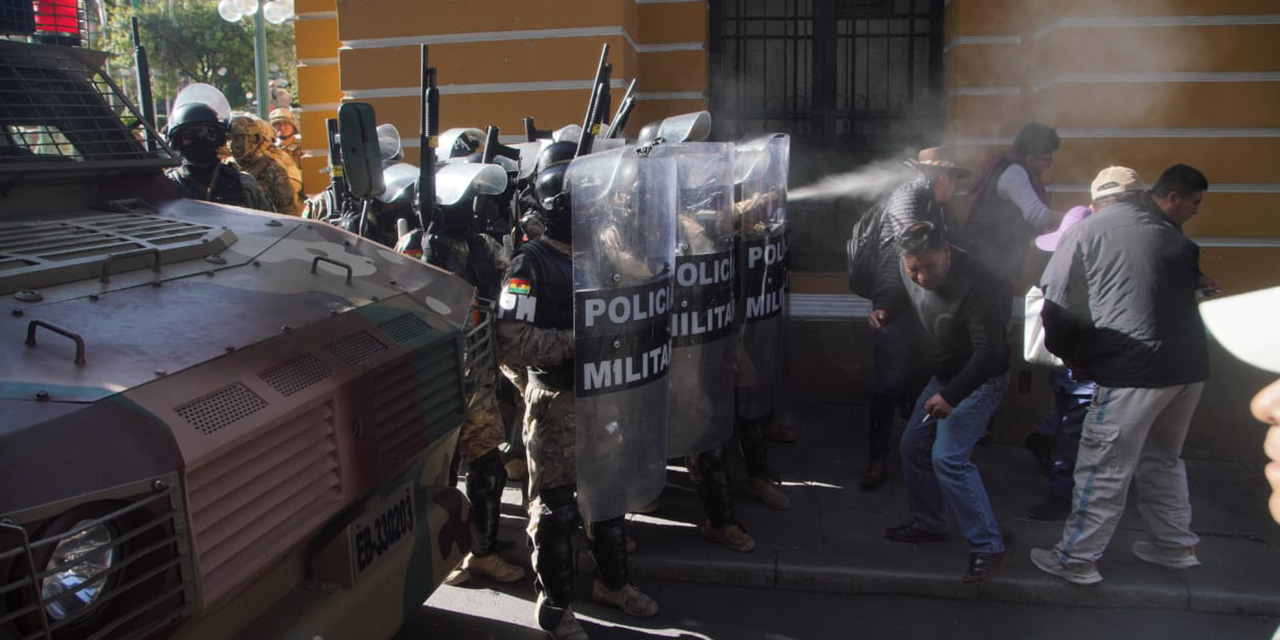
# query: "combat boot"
627,598
567,628
730,535
609,549
492,566
767,492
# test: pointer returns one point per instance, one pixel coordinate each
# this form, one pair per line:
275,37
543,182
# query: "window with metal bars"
852,81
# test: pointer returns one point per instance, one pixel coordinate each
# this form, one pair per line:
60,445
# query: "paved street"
824,566
720,612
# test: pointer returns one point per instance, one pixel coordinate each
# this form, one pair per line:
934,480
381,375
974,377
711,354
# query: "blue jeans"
1071,399
940,476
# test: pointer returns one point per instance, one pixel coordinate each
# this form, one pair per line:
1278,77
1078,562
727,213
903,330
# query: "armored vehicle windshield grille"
57,107
221,408
47,253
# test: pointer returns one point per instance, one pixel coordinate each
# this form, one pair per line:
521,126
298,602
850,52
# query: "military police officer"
197,132
535,331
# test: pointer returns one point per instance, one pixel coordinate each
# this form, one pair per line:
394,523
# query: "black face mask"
200,152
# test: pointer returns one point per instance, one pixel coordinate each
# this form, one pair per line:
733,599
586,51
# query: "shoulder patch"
519,285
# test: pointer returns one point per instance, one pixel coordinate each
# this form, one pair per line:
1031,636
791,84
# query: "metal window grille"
55,109
852,81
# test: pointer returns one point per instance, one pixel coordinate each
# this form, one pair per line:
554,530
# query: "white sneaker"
1081,573
1174,558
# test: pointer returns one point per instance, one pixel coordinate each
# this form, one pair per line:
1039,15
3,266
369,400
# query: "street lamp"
273,11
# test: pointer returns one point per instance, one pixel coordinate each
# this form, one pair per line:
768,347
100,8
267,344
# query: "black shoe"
1040,446
909,533
984,565
1051,508
875,476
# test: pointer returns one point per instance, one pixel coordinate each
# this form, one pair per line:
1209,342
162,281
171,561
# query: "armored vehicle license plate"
385,524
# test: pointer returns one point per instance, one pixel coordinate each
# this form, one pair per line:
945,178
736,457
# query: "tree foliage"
187,41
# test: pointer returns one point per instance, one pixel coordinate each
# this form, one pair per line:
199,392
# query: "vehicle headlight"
87,556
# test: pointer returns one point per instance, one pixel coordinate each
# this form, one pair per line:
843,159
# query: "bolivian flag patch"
519,286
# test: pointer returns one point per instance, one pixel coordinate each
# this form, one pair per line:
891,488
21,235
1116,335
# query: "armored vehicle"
214,423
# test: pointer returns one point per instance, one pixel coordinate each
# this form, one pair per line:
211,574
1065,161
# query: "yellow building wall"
1141,84
497,62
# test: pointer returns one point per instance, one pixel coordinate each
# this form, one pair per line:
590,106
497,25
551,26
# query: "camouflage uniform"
252,155
291,145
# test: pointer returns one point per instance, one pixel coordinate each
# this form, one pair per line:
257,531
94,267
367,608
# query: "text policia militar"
703,309
622,337
765,276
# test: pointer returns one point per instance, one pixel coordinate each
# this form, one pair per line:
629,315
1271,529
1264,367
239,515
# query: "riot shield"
760,176
623,261
702,313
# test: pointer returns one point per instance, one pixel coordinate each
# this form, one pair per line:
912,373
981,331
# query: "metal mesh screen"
55,109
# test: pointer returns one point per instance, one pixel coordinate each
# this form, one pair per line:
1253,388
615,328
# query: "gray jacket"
1120,301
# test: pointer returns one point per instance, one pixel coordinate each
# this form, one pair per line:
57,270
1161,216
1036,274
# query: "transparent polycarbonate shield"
398,178
389,144
623,262
687,127
702,314
456,182
760,174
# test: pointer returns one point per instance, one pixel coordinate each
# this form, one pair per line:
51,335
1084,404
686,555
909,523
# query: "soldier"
287,137
249,148
197,132
481,261
535,331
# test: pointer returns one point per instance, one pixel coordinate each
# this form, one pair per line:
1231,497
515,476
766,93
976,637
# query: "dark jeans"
941,479
893,350
1071,399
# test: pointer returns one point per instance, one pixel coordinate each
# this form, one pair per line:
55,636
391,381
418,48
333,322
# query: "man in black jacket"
1120,309
893,344
952,300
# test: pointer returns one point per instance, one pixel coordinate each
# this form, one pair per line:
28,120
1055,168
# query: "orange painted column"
319,92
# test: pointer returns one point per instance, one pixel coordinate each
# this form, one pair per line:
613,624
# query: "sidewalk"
832,538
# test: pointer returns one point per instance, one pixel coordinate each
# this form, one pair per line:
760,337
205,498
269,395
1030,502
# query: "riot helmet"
552,193
197,132
554,153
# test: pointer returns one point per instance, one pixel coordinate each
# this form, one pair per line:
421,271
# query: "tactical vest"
554,310
475,264
226,189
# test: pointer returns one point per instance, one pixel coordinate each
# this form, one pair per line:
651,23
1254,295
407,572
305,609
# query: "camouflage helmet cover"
282,114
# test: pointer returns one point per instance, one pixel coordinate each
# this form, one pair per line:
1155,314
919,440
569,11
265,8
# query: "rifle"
493,148
598,105
337,176
534,134
428,138
625,106
143,69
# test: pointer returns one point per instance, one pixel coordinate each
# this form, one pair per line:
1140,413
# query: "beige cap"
1113,180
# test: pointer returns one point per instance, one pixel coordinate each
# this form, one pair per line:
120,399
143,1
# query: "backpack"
864,250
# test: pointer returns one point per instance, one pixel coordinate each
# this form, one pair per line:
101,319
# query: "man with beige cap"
1120,309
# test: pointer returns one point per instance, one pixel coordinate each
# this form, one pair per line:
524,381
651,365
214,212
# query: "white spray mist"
868,182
